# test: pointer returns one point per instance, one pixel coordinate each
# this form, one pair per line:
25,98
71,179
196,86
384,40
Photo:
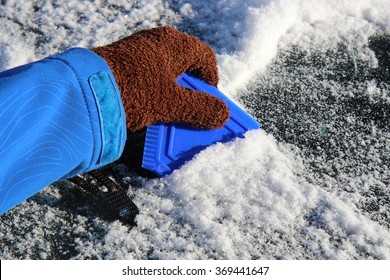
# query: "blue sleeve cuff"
102,96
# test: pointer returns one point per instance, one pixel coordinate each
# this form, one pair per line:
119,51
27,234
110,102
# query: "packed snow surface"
313,183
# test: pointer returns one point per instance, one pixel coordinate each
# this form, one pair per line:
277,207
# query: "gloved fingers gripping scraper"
146,66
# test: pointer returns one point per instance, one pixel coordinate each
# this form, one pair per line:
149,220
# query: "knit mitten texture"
146,66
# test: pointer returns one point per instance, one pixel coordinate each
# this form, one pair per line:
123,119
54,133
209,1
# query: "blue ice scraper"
169,146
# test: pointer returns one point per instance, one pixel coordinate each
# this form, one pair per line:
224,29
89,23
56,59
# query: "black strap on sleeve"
98,184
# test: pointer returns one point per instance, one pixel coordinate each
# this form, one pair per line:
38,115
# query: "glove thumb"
198,109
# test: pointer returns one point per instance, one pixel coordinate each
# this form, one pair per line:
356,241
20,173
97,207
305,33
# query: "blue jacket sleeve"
59,117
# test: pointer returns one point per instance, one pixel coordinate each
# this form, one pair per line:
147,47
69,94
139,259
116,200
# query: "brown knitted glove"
146,66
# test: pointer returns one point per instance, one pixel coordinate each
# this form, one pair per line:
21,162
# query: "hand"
146,66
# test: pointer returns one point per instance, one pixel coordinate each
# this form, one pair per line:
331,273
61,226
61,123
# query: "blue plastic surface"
169,146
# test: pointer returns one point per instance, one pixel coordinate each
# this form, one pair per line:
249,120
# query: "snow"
312,184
